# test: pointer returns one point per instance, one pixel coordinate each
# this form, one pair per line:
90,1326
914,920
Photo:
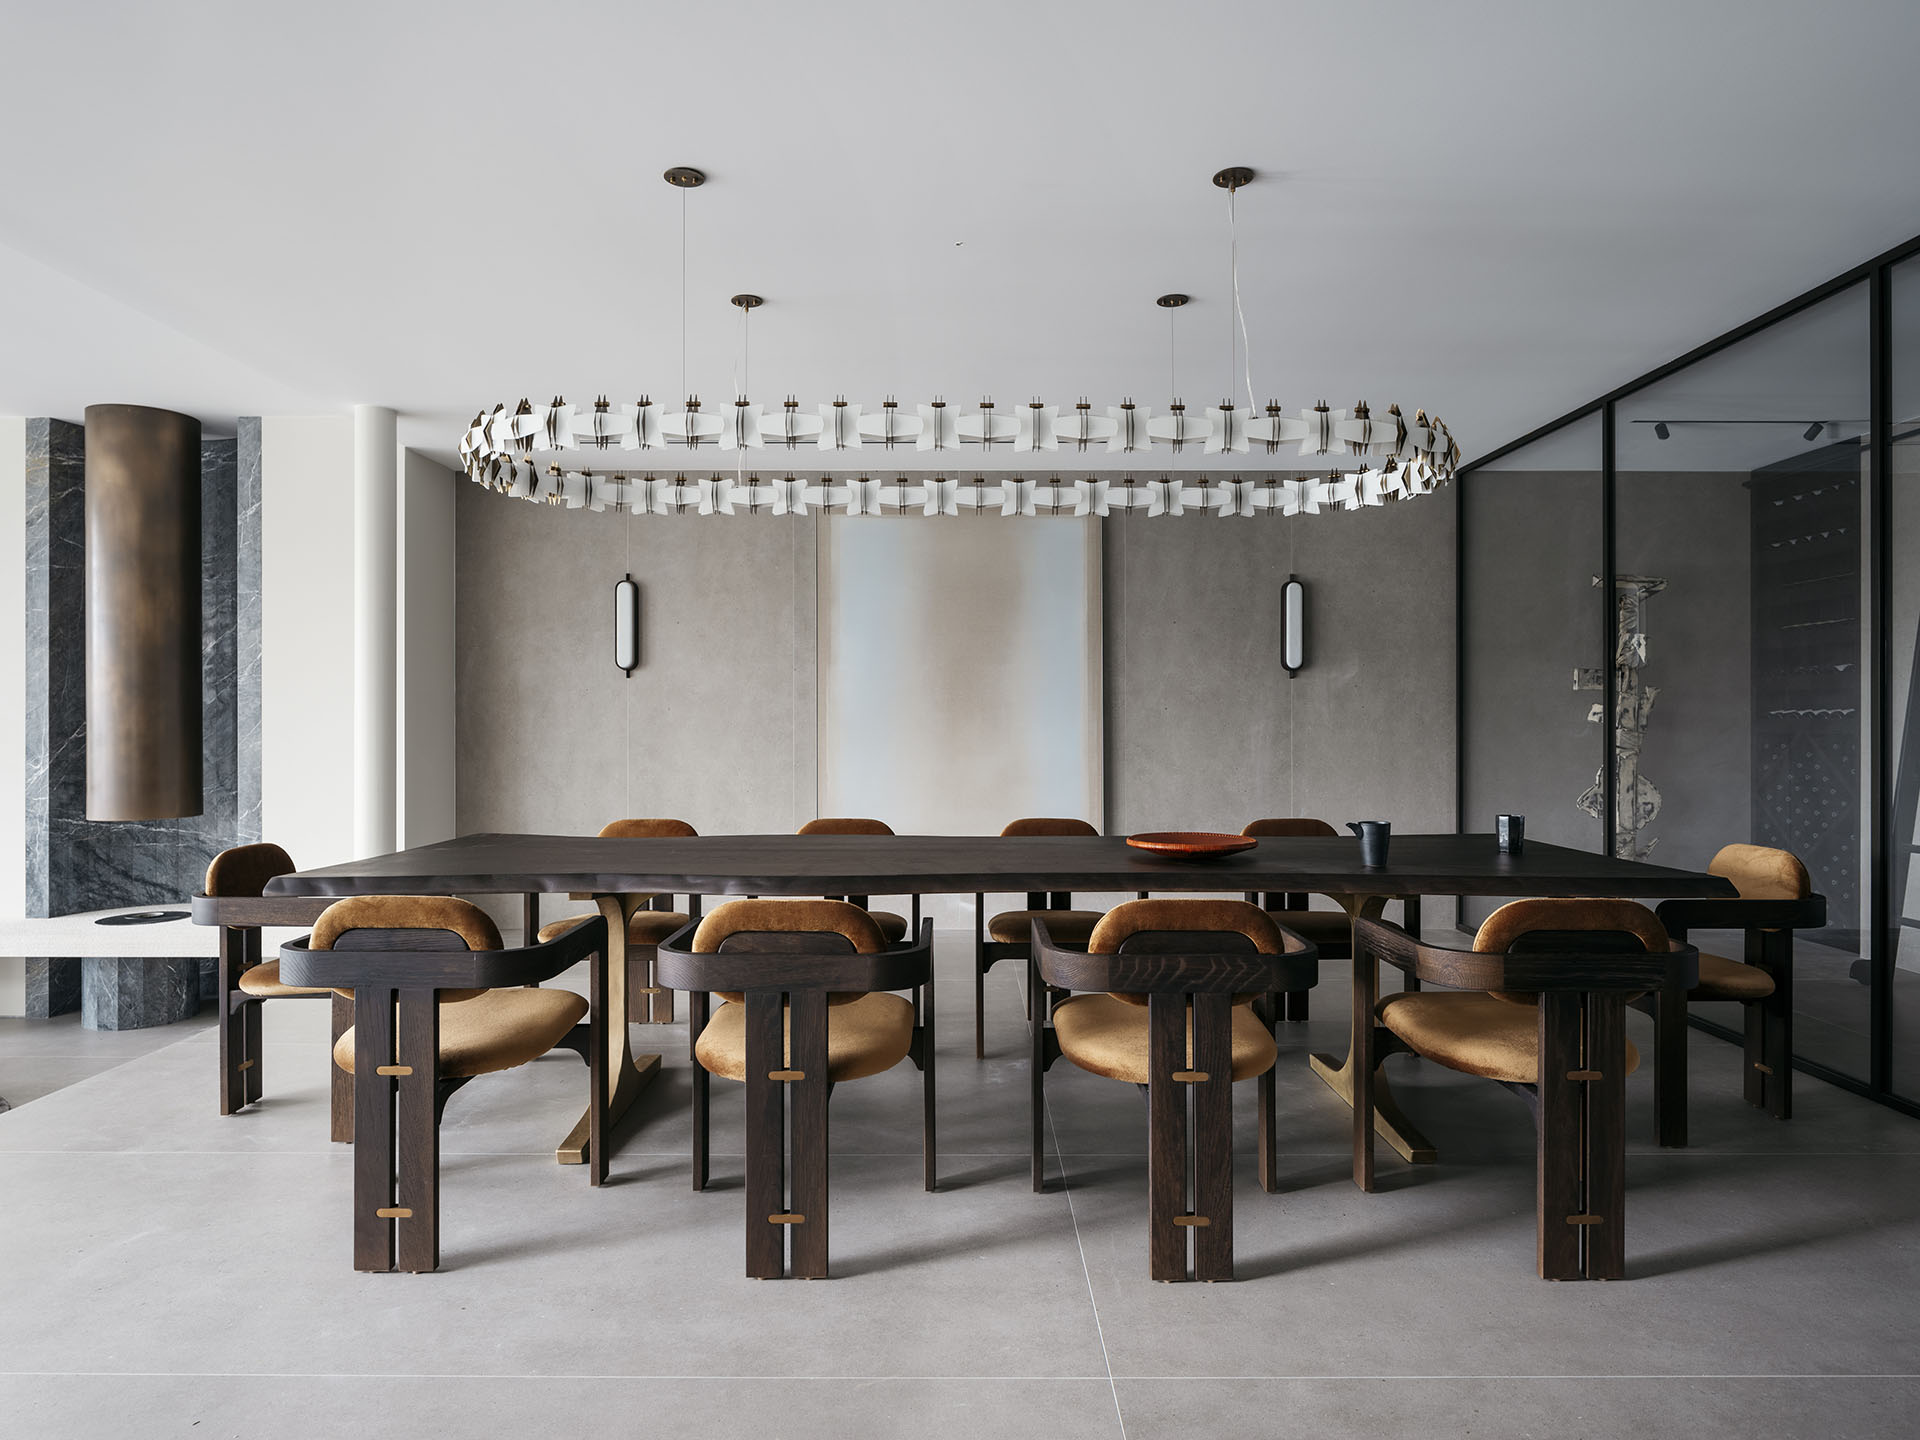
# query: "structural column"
375,608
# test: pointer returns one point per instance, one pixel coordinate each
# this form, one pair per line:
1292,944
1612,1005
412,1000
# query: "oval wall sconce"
1293,626
626,625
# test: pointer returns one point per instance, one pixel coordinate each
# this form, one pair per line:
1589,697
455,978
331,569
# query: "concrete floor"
170,1272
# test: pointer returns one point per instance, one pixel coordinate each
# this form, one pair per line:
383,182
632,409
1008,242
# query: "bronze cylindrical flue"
143,613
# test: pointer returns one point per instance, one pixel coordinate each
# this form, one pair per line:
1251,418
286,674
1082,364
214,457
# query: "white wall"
13,698
425,719
306,624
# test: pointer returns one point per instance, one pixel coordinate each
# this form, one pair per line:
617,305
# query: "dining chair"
247,981
1331,931
1007,936
1171,989
1538,1005
806,1003
894,927
650,919
1776,899
437,1001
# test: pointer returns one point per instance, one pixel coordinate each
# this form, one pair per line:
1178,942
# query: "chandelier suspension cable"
683,293
1239,312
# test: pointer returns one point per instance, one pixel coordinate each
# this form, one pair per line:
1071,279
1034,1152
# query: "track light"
1813,430
1660,429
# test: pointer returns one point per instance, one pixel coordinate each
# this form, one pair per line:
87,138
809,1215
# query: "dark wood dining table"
614,871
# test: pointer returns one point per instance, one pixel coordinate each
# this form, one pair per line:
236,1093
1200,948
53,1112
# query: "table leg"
627,1073
1389,1123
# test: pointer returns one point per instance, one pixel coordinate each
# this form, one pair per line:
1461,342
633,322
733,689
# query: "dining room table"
619,873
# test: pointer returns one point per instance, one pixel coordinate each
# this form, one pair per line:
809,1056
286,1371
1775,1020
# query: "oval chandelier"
603,456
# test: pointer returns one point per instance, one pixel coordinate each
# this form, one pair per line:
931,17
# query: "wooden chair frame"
988,953
787,1190
1583,979
1767,1022
1189,1109
396,976
242,1054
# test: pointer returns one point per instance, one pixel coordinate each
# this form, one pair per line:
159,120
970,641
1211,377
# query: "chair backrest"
1044,825
1510,927
1185,927
406,922
647,830
1291,826
246,869
1759,873
834,826
750,924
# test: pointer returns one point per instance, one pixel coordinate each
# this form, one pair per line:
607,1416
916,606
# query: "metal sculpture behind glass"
1636,798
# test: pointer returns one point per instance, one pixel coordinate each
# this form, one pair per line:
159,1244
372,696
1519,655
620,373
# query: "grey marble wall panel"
134,993
53,987
74,863
247,591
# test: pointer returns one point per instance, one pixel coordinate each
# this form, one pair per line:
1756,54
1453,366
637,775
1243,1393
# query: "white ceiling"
1492,210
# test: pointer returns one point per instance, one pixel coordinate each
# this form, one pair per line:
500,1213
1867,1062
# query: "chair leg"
766,1138
1212,1218
929,1120
1605,1151
980,979
1166,1138
1296,1005
340,1096
597,1022
697,1003
373,1177
808,1099
417,1134
1037,1087
1776,1025
1670,1067
1558,1138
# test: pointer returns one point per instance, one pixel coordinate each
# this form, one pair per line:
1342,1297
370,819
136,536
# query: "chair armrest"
677,966
1141,973
1540,970
253,910
441,969
1682,916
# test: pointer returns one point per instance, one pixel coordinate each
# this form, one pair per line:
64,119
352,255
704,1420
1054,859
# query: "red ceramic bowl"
1191,844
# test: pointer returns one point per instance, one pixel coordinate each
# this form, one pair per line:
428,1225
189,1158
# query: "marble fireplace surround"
74,864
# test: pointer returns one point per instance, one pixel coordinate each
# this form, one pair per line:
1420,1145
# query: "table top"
957,864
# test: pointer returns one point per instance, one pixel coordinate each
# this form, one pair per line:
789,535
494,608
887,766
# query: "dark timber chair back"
1173,983
804,986
894,927
1776,898
1539,1005
648,919
247,981
1006,936
436,1002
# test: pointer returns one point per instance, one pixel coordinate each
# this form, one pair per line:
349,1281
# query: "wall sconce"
626,625
1293,626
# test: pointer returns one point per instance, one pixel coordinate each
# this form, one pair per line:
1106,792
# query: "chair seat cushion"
495,1030
1108,1036
1724,979
263,980
1068,927
647,927
1473,1032
864,1037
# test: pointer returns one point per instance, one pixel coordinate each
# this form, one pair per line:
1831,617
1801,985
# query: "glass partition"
1903,699
1743,583
1532,637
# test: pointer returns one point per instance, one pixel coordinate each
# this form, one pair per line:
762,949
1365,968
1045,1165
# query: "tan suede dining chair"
1007,935
894,927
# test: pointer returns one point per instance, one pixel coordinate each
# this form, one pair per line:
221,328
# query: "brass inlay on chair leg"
1190,1077
1763,1069
401,1213
785,1075
1586,1219
393,1070
788,1219
1194,1220
645,990
244,1065
1584,1075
